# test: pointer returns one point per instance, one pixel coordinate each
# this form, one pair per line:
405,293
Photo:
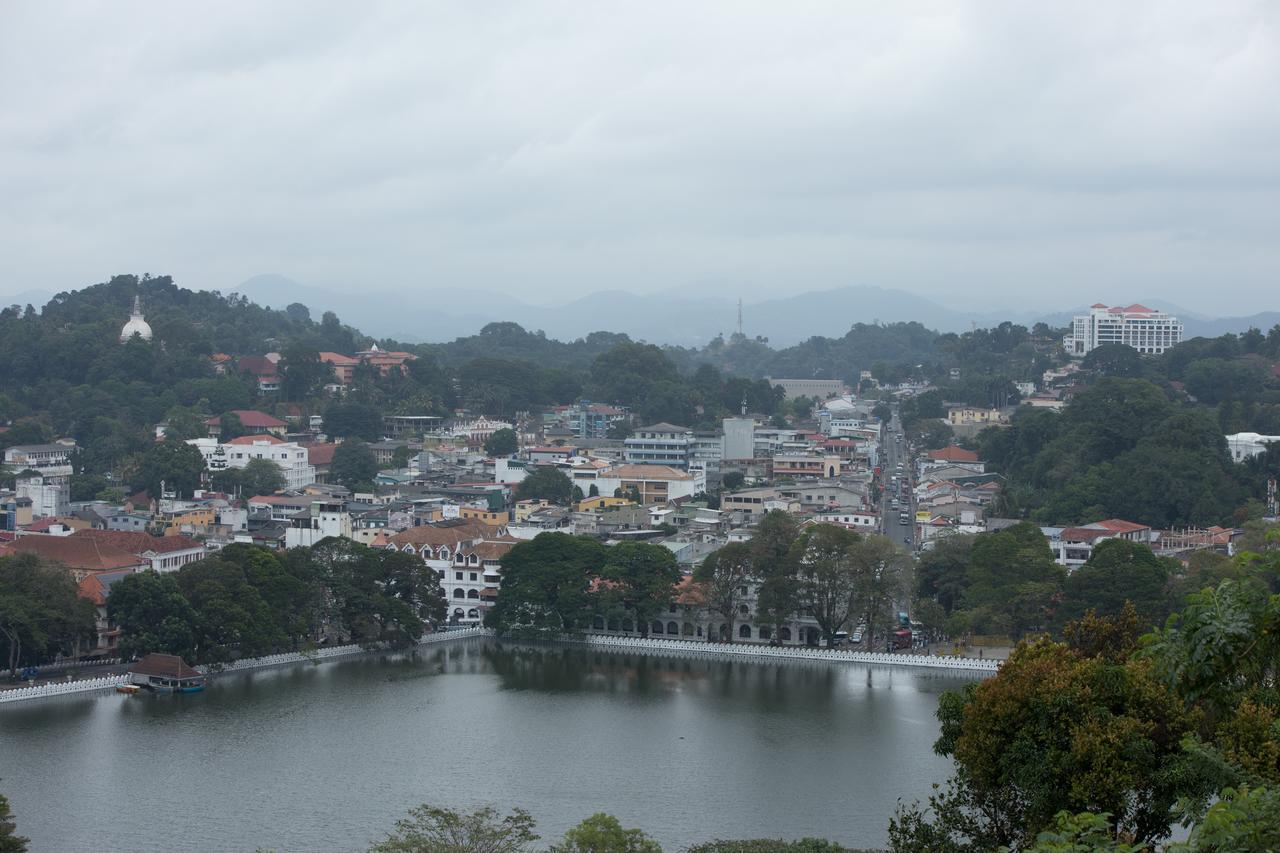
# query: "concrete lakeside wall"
746,650
110,682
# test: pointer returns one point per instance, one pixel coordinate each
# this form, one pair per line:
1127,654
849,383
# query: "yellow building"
490,517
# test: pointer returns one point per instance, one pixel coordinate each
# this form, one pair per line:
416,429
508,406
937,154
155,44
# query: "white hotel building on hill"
1137,326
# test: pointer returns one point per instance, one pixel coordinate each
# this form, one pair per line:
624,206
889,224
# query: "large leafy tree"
1055,731
1011,580
725,576
153,615
176,464
1117,571
881,570
353,465
10,840
827,576
546,483
503,442
428,828
545,588
41,616
640,580
353,419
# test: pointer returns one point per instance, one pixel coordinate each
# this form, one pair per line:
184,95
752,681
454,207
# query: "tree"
302,373
732,480
41,616
428,829
353,465
261,477
352,419
230,427
152,614
1055,731
1118,571
941,571
176,464
545,583
602,833
503,442
880,571
546,483
10,841
642,579
401,457
724,575
827,576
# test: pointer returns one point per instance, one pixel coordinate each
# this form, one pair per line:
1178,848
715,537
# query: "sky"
983,154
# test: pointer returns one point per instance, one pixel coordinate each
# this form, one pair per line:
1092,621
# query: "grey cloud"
975,152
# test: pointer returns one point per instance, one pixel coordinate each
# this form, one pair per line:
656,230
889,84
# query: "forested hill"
75,336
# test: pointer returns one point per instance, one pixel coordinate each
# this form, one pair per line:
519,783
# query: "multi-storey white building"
1144,329
660,444
44,476
293,459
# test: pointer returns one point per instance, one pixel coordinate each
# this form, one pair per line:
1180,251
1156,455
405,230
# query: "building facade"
1145,329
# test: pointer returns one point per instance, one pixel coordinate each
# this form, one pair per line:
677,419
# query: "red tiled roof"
164,666
253,439
448,534
251,419
75,552
1118,525
953,454
320,454
138,543
1083,534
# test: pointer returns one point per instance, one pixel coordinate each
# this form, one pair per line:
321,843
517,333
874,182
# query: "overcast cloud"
1043,154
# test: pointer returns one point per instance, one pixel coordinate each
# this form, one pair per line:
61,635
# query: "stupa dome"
136,325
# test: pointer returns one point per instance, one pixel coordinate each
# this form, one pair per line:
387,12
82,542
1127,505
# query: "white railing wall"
62,688
788,653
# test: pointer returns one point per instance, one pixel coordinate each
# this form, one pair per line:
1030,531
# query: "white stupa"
136,325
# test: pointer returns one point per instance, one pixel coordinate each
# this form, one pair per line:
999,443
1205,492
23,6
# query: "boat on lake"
165,674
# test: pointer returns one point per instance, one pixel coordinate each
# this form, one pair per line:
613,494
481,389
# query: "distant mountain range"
439,315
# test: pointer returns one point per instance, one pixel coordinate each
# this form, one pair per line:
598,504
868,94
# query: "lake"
320,758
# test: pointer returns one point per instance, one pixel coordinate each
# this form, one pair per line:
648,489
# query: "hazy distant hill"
428,316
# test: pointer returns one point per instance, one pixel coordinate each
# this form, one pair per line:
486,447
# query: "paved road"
893,453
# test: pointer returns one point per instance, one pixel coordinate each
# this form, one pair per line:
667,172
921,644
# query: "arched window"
457,613
656,627
473,593
744,609
784,634
443,553
688,629
473,614
766,633
473,559
458,593
744,632
673,629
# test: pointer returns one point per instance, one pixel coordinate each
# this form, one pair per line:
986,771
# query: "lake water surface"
320,758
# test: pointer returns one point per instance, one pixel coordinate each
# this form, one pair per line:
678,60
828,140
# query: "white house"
322,520
1246,445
